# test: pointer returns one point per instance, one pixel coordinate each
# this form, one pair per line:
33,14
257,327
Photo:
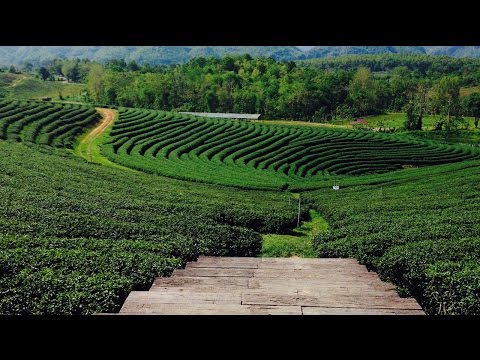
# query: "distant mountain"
156,55
153,55
455,51
331,51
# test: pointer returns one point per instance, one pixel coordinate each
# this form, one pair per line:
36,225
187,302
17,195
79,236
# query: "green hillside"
22,86
77,237
56,125
156,55
251,155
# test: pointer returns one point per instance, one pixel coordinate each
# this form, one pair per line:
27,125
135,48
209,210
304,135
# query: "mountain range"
167,55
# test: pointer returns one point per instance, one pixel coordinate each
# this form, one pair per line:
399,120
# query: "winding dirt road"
86,144
89,146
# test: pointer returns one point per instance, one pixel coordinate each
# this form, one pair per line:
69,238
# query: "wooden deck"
258,286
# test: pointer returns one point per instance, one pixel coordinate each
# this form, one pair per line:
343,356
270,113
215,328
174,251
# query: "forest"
318,91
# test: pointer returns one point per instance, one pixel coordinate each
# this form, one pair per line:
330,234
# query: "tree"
44,73
95,86
133,66
411,118
471,104
28,66
401,86
73,74
446,101
416,108
363,93
12,70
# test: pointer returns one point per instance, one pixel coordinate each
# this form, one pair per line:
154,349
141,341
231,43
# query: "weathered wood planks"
270,286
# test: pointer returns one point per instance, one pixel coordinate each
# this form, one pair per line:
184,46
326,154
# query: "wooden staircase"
270,286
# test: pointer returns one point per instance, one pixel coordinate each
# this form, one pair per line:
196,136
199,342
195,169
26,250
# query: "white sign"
336,187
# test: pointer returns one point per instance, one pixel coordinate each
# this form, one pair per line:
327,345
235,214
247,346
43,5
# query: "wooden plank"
227,259
226,285
218,289
367,301
312,266
302,284
152,298
185,280
217,309
307,310
214,272
242,264
313,274
320,261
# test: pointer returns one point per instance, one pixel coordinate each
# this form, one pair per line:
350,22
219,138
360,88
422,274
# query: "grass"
89,147
396,120
21,86
300,244
7,79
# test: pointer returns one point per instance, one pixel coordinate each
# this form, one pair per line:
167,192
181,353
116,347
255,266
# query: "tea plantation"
77,237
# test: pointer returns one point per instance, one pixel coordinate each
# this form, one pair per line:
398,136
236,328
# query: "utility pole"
298,218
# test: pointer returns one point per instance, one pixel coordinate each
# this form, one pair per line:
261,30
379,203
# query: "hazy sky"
305,48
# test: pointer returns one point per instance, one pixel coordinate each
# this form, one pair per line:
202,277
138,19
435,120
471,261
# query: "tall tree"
95,86
446,101
363,93
471,104
416,107
44,73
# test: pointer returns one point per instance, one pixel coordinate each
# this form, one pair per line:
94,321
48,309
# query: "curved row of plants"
248,154
53,124
421,233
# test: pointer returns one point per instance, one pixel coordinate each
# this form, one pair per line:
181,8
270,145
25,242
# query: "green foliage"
166,55
76,238
453,288
419,66
45,123
319,92
413,120
471,104
299,243
32,88
402,227
363,93
261,156
44,73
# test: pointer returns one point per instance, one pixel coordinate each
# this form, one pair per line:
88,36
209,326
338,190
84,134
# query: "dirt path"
18,81
89,145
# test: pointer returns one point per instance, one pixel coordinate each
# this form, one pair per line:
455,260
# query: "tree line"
322,91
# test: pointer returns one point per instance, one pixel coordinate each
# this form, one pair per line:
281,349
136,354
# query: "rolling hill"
156,55
77,237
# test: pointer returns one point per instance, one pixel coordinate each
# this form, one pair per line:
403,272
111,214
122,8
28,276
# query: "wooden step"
332,300
241,282
246,286
214,272
306,310
215,309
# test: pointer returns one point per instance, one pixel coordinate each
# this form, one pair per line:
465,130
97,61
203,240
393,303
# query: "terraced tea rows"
76,238
56,125
243,153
